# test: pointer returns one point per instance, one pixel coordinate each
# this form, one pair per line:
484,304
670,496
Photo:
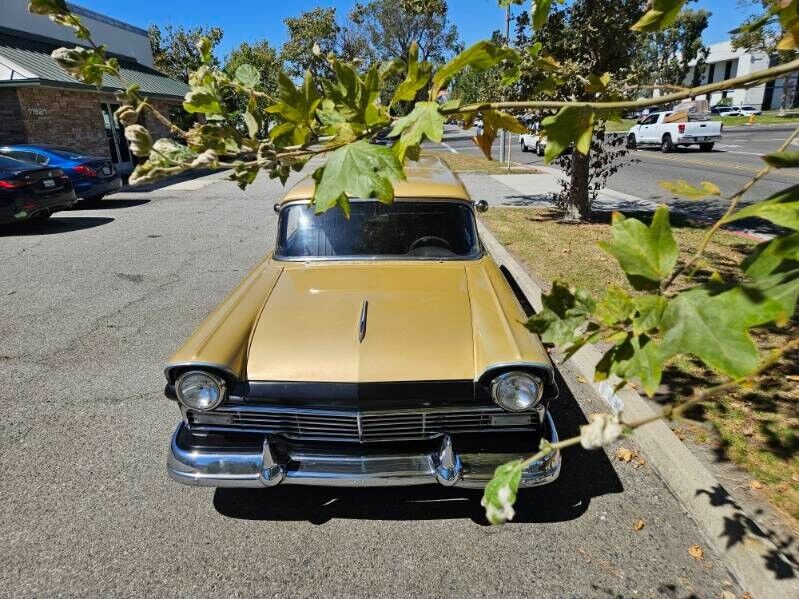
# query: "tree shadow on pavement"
584,475
740,528
52,226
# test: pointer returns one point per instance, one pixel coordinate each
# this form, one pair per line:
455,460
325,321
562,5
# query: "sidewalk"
539,190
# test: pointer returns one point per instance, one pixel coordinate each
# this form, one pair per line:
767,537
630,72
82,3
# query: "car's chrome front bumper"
261,469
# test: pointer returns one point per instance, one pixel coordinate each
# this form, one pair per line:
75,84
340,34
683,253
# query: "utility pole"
504,141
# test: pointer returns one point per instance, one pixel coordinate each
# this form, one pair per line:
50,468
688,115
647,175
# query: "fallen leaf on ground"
793,377
755,484
696,552
639,462
639,524
581,379
625,455
746,596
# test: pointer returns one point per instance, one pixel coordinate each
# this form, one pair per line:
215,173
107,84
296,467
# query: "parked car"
535,141
32,191
671,129
384,348
92,177
748,110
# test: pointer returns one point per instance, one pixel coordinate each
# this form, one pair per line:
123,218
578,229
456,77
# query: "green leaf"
650,310
541,10
683,188
202,100
48,7
570,124
646,254
417,76
564,312
500,493
360,170
297,106
713,326
782,159
425,121
493,121
646,364
633,358
205,48
479,57
660,15
781,209
252,124
778,254
616,306
248,76
597,83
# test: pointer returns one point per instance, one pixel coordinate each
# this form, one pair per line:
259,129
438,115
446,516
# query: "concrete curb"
748,553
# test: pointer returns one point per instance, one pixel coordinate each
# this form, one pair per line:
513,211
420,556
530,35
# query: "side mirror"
481,206
277,207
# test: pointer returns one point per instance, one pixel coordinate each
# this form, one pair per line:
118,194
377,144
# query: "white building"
725,63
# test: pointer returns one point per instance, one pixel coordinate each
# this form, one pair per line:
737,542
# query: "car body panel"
40,190
425,321
107,179
428,178
222,339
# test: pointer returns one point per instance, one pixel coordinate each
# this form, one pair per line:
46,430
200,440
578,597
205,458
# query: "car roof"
427,179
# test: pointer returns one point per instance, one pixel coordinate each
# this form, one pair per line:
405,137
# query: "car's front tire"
666,144
631,143
538,149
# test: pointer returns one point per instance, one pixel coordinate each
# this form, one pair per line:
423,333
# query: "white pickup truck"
671,129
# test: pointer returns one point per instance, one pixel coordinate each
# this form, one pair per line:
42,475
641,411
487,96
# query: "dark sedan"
32,191
92,177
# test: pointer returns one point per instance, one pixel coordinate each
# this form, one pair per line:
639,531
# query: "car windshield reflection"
412,230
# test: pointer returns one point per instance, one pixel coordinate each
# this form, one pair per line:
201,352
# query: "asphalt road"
93,303
730,165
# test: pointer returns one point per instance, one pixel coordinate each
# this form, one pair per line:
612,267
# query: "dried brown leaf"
639,524
696,552
625,455
755,485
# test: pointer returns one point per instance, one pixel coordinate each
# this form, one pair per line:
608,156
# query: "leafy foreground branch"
603,429
677,308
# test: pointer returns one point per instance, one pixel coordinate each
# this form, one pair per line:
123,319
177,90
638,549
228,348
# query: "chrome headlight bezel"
504,383
214,380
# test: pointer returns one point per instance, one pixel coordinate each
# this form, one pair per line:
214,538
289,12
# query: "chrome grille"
324,425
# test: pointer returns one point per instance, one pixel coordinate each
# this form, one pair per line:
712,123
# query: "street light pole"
504,141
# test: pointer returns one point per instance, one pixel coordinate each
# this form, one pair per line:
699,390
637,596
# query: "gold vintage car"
383,349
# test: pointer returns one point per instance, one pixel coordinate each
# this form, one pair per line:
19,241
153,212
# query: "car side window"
41,158
650,120
20,155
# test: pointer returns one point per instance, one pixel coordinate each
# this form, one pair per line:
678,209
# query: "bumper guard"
262,469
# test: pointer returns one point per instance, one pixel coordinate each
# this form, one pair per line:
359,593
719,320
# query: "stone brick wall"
11,129
154,126
64,117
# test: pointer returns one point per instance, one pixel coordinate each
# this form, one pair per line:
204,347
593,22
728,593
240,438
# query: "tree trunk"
579,205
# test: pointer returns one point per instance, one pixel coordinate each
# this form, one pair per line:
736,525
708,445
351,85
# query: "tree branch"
757,76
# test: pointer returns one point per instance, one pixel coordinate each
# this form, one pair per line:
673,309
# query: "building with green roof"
42,103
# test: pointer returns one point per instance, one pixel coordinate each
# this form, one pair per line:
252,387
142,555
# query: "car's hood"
417,325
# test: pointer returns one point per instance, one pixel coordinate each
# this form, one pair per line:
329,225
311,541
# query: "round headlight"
517,391
200,390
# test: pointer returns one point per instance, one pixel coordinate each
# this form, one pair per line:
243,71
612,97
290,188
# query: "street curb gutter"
751,556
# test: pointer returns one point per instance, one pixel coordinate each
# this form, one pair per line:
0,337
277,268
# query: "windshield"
402,230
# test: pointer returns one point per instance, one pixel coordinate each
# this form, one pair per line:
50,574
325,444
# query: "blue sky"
249,20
